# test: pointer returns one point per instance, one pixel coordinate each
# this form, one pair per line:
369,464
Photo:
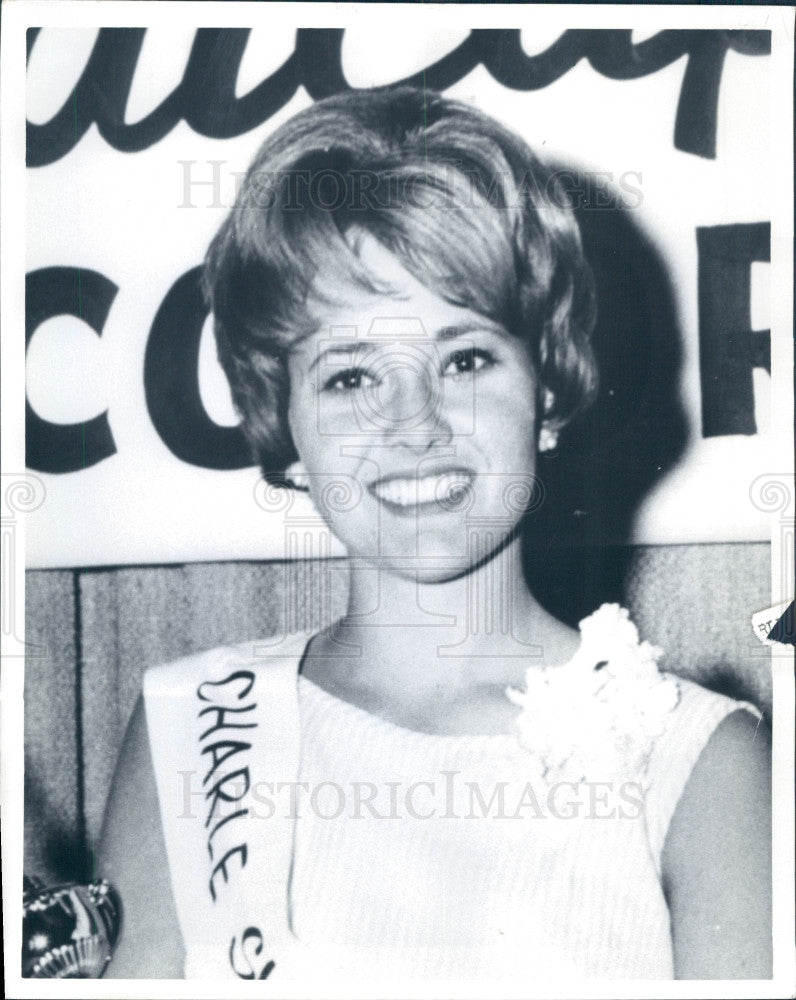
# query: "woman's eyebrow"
343,348
455,330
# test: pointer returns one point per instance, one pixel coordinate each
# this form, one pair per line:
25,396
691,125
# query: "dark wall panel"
53,810
697,601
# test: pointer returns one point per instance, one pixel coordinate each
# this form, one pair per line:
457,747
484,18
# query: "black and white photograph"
397,500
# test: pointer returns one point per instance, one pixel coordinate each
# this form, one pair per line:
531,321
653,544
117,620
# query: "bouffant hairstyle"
460,200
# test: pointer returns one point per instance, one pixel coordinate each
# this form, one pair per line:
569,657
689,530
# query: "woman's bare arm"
717,858
133,858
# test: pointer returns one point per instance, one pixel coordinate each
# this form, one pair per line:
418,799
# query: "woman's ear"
298,477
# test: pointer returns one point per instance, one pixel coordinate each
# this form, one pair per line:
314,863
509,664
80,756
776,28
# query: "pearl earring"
548,438
297,476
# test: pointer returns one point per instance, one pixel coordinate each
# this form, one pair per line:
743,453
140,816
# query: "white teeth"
406,492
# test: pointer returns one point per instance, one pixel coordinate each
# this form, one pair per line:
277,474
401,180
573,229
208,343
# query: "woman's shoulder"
699,708
701,724
704,732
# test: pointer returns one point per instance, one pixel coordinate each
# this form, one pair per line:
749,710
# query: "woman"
403,311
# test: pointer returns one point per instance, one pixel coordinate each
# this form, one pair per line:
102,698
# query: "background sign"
137,139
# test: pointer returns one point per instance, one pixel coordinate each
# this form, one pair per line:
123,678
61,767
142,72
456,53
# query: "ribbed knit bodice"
454,857
534,854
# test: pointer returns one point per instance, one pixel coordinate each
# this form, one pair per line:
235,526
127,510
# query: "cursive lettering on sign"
205,97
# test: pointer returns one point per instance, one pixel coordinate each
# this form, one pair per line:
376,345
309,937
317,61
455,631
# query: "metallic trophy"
69,931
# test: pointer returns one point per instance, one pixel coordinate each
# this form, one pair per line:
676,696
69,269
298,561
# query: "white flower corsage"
597,716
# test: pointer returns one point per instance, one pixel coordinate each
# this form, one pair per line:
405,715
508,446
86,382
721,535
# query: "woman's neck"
482,627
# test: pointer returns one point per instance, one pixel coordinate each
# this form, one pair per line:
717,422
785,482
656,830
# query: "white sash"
223,731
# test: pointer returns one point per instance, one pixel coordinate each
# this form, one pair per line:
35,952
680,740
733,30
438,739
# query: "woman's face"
415,422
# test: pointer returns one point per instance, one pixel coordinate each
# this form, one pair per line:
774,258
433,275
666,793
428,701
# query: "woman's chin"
433,567
429,556
430,571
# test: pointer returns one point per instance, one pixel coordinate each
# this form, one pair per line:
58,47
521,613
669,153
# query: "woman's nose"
410,404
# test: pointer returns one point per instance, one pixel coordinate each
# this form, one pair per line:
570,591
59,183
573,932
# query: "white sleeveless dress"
308,838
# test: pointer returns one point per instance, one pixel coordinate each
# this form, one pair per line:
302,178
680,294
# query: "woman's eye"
345,381
467,360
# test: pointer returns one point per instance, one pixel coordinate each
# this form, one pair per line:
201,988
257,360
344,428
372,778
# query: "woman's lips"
443,490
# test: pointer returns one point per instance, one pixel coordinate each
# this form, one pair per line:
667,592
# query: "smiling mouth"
443,490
